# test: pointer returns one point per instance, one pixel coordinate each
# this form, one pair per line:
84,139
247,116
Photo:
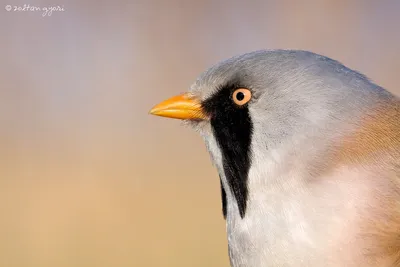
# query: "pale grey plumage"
303,106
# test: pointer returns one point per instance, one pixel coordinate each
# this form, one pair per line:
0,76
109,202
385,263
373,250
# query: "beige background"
87,177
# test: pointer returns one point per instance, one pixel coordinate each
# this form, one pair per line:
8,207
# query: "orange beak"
180,107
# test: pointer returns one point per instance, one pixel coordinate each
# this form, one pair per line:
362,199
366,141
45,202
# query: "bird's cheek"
214,151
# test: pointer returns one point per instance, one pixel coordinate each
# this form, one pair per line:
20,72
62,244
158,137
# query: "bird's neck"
308,196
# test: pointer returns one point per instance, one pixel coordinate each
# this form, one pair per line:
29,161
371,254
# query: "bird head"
254,108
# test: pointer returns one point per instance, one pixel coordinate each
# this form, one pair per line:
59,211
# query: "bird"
308,156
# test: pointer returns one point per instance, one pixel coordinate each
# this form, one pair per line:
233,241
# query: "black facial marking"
232,128
223,197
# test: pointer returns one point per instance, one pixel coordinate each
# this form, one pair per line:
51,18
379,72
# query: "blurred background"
87,177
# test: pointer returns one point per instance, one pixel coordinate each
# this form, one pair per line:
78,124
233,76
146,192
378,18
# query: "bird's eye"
241,96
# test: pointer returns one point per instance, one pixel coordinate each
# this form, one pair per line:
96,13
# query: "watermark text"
44,11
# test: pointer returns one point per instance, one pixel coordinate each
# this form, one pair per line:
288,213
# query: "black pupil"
240,96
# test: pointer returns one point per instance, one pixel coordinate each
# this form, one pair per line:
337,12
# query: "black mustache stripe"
223,198
232,128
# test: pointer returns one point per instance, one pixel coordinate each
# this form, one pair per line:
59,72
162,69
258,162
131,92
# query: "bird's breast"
303,225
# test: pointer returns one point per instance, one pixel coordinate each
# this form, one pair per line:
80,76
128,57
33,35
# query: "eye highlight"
241,96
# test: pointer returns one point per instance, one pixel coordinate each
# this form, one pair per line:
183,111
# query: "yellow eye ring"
241,96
